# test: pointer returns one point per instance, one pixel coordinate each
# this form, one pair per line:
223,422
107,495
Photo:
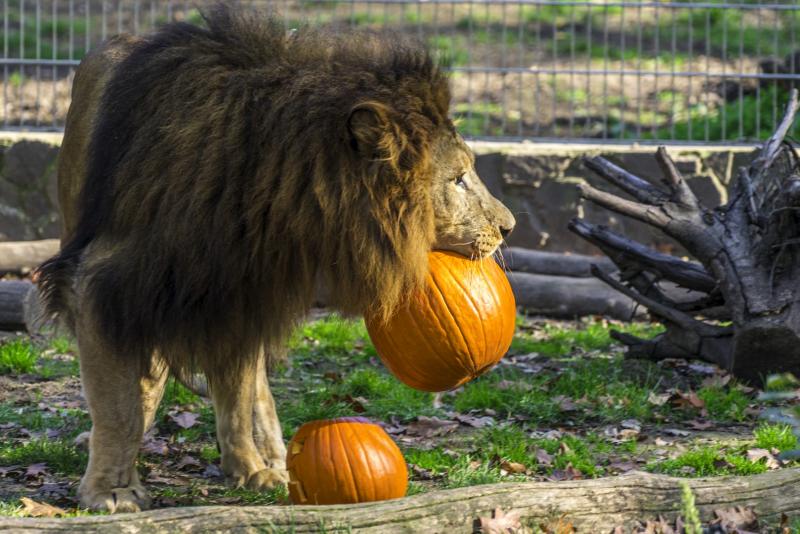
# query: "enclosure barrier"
521,69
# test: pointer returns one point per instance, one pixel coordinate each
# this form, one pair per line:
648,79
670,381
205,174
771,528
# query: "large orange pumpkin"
342,461
452,331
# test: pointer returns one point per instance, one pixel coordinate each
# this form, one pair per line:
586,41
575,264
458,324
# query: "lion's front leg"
234,394
121,404
266,426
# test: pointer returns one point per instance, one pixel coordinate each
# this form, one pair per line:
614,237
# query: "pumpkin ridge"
367,461
431,346
477,309
458,328
352,478
360,443
493,290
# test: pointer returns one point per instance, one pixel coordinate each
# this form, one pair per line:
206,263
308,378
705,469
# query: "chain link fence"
675,71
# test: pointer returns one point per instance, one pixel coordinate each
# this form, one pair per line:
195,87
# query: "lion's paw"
267,479
117,500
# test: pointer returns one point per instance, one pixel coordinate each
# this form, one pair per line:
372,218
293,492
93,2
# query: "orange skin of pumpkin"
343,461
457,328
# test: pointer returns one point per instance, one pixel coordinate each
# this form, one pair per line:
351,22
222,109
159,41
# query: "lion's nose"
505,231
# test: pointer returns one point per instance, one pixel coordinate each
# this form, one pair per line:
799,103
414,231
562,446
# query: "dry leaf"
35,470
543,458
185,419
501,523
476,422
558,526
658,399
738,518
513,467
40,509
754,455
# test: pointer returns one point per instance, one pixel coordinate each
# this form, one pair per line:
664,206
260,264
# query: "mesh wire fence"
714,71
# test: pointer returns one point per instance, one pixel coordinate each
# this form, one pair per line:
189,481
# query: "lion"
209,179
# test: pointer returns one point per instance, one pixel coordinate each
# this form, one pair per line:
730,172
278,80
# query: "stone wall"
537,181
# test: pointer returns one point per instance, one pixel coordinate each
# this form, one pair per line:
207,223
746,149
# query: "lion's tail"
55,277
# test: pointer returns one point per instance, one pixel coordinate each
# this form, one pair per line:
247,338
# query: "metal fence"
521,69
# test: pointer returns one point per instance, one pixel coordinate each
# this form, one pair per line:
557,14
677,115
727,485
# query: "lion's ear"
367,126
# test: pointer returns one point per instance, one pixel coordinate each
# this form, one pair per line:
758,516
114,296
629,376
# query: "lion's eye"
460,181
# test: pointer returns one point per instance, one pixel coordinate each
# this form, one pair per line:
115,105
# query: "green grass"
599,388
70,422
330,337
724,404
775,436
557,341
18,356
60,456
708,461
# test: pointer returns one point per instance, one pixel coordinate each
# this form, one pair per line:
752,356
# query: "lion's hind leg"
266,425
234,394
122,404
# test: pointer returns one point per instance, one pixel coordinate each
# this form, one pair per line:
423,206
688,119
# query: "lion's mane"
223,182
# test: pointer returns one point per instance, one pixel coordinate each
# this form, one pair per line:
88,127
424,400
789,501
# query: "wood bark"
566,297
591,505
553,263
20,306
19,257
746,318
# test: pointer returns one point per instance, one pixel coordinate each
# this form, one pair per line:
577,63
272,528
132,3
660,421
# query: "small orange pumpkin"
342,461
454,330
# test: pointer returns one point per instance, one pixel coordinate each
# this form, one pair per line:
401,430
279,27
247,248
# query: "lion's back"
90,82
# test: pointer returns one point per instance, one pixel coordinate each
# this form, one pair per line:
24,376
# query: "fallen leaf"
40,509
716,381
428,427
558,526
500,523
565,403
476,422
513,467
543,458
754,455
623,467
737,519
35,470
686,400
54,490
155,446
474,465
185,419
187,461
699,424
212,471
658,399
631,424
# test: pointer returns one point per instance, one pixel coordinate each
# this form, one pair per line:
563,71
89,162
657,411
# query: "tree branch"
645,213
641,190
681,319
624,252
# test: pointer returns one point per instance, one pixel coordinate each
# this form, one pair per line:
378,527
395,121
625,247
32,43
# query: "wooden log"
12,304
23,256
568,297
20,307
541,262
596,505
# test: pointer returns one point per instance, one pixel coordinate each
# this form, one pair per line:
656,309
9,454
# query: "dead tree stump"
747,317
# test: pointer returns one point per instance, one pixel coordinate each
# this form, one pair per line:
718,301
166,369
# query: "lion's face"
469,220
